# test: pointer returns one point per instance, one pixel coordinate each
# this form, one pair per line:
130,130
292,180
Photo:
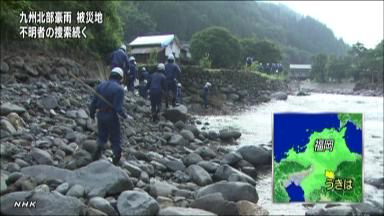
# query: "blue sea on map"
295,192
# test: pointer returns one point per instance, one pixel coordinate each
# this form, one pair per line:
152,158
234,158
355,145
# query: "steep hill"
299,37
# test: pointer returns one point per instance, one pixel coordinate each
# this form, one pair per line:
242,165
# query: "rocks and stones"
279,96
76,191
164,202
234,97
4,68
377,182
7,126
187,134
178,113
228,134
257,156
206,153
46,203
249,208
3,184
7,108
49,102
133,169
41,156
180,211
41,188
209,166
232,191
212,135
173,165
63,188
95,177
199,175
232,158
103,205
191,158
215,203
225,172
160,188
136,203
303,93
177,140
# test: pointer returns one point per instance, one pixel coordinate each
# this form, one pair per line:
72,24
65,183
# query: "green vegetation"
355,118
223,48
205,62
360,64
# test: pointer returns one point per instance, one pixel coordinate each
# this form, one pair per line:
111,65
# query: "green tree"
319,70
267,52
337,67
224,48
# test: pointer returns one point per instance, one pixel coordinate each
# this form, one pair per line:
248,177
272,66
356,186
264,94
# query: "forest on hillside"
298,37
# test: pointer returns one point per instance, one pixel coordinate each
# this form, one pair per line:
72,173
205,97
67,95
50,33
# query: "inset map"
317,157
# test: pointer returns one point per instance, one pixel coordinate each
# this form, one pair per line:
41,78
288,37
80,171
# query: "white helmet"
143,68
118,70
208,84
123,47
171,57
132,58
160,66
179,85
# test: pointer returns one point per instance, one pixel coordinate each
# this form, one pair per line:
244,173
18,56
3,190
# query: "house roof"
300,66
162,40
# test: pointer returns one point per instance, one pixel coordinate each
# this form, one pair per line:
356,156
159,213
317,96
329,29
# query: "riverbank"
255,124
48,145
344,88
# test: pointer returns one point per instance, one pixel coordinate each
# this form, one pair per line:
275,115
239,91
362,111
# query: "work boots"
116,159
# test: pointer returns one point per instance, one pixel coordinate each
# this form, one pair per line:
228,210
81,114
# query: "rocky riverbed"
169,168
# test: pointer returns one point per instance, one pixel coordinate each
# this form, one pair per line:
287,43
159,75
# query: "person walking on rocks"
172,72
120,59
143,79
179,94
108,124
156,85
132,74
205,93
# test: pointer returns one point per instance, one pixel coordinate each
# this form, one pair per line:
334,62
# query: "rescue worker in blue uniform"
120,59
132,74
205,93
108,124
143,80
179,94
172,72
156,85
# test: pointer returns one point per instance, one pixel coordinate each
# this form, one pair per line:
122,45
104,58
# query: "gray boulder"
63,188
133,169
160,188
212,135
173,165
192,158
49,102
177,140
103,205
209,166
279,96
232,191
7,108
98,178
232,158
250,208
215,203
187,134
76,191
257,156
199,175
47,203
136,203
228,134
178,113
225,172
41,156
205,152
180,211
7,126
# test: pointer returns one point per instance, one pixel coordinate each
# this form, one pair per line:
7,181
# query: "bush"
205,61
223,48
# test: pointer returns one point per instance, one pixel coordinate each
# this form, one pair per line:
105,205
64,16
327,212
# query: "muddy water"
256,127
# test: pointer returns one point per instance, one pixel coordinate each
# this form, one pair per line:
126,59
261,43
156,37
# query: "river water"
255,124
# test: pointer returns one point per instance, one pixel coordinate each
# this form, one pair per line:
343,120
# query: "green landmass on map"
341,161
